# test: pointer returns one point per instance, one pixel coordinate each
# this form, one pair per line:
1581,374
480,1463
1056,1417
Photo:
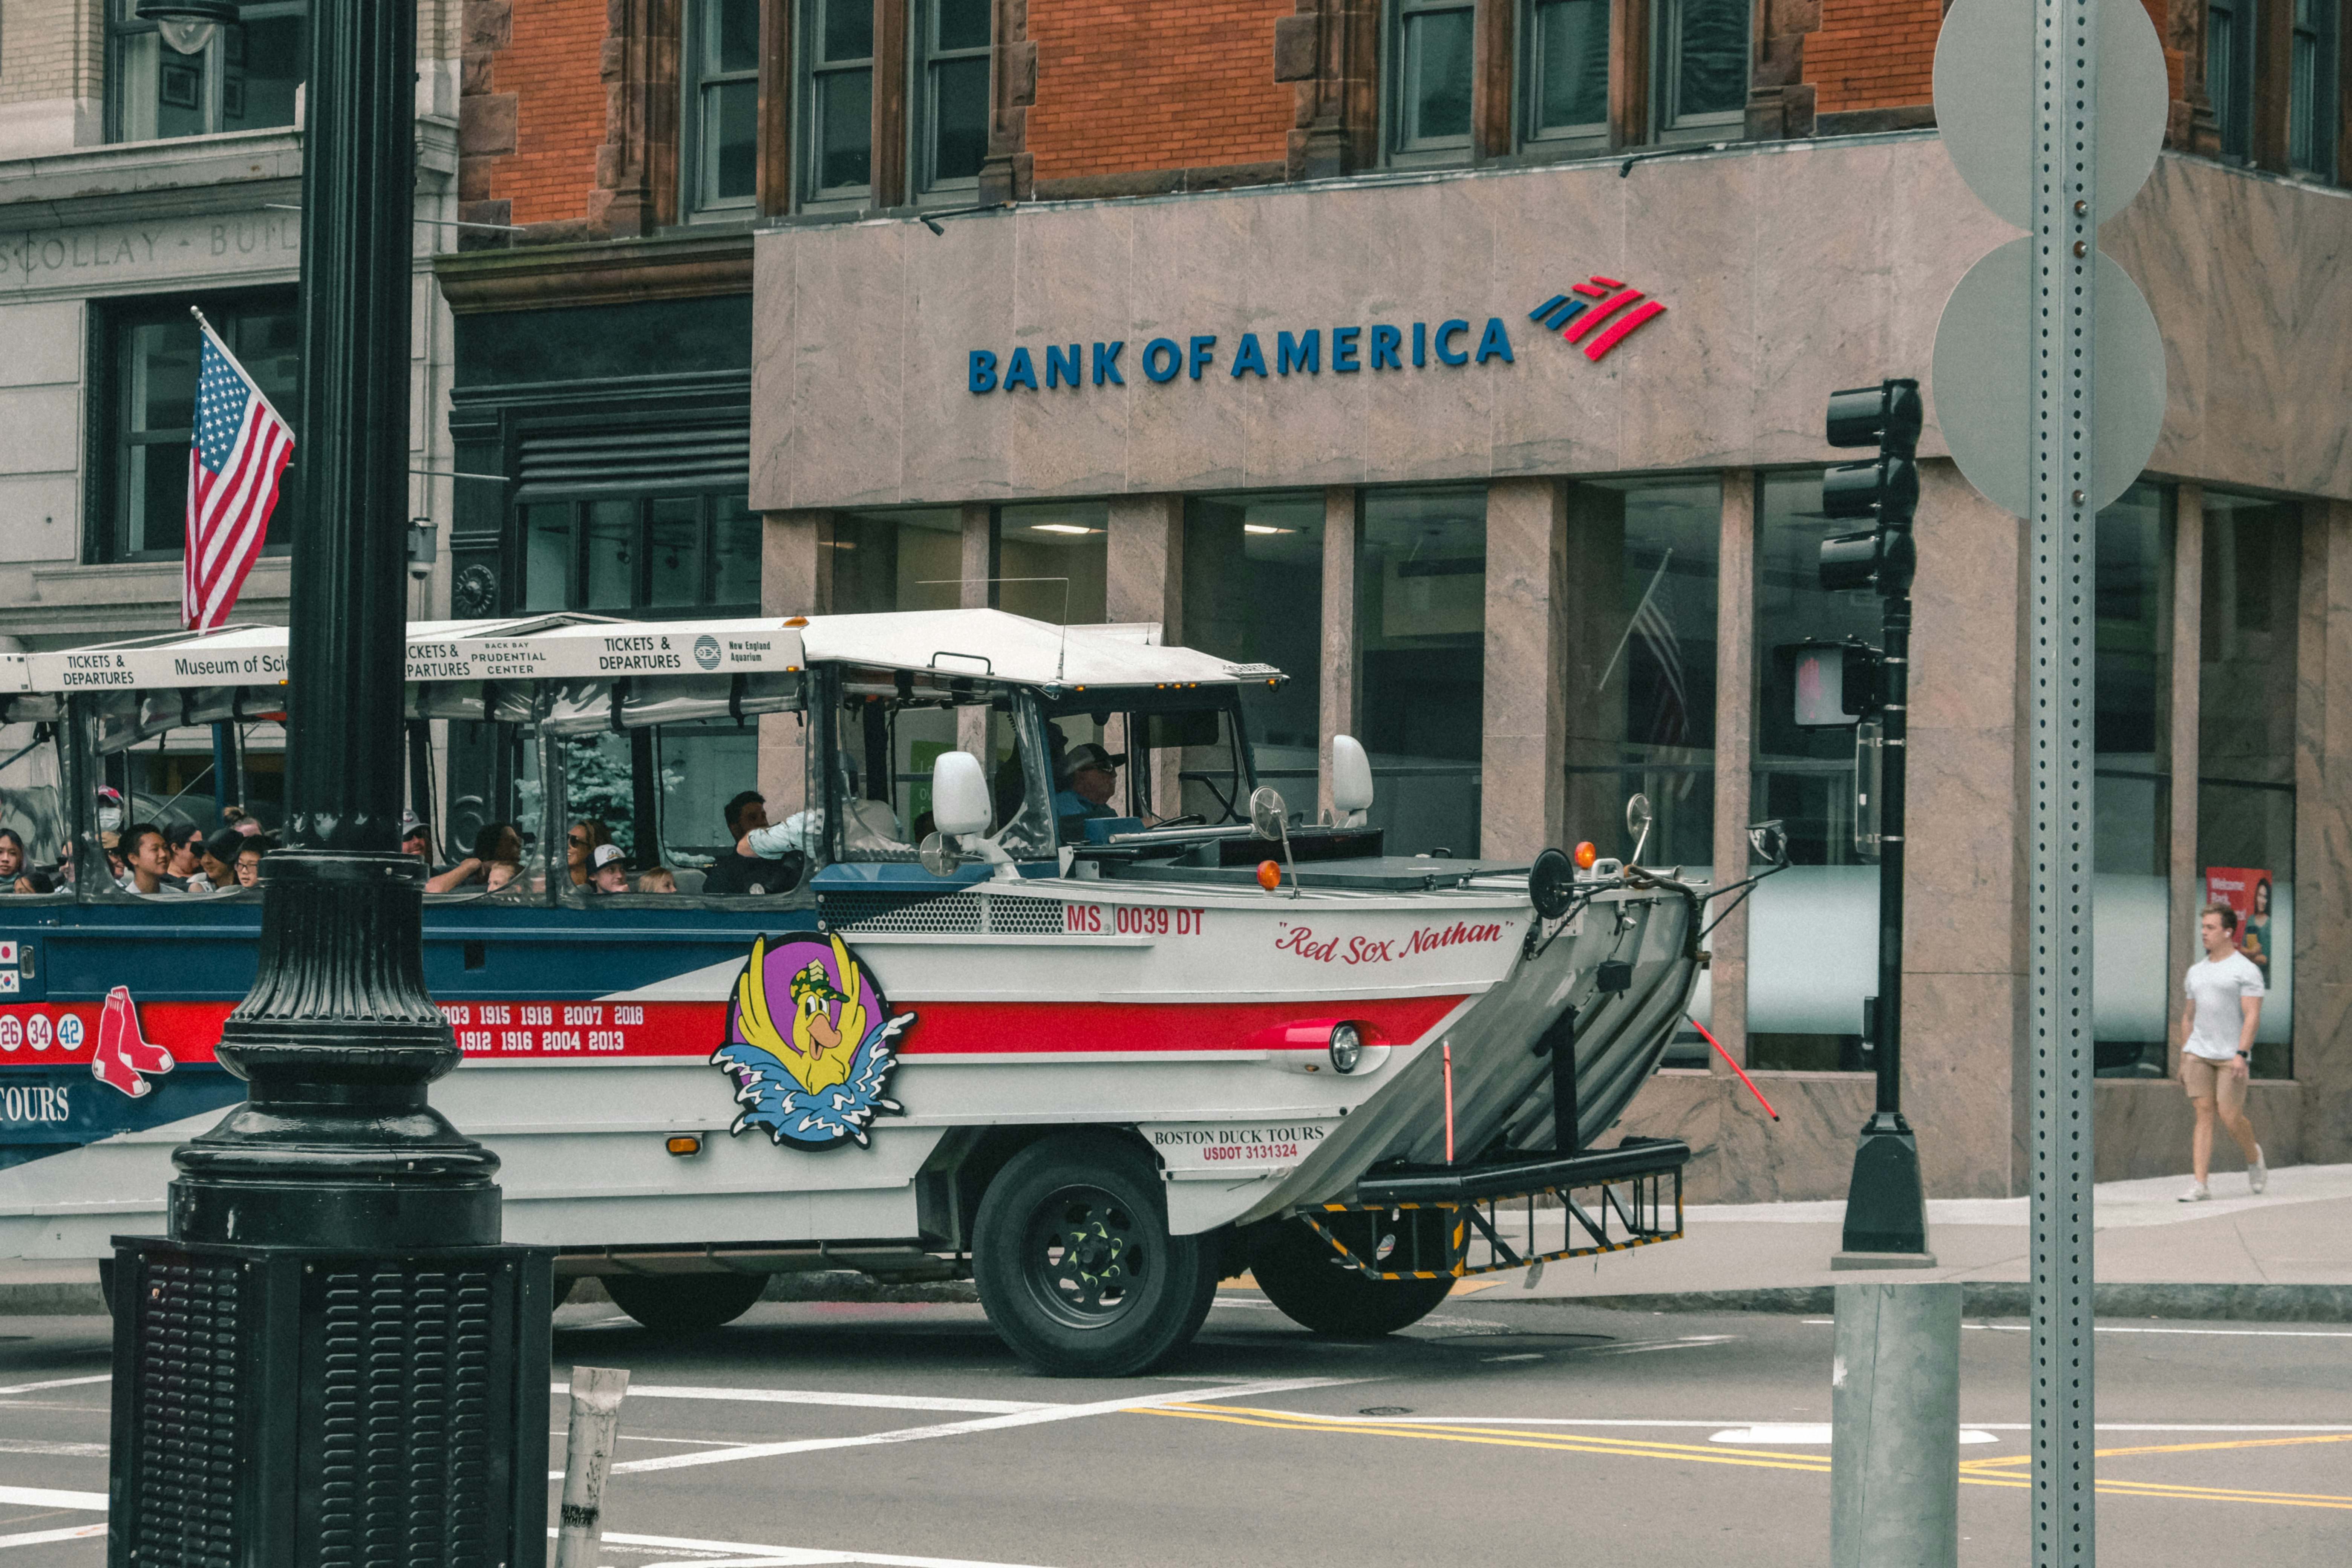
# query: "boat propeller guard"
1432,1222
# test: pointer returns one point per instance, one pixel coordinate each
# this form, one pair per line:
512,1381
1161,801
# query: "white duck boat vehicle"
1037,986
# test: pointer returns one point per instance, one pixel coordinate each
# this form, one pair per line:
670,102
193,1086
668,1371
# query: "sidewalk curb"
1979,1298
1994,1299
52,1301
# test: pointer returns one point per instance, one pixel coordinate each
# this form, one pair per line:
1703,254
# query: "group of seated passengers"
153,860
148,860
592,860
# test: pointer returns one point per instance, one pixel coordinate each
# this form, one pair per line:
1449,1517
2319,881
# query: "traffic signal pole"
1886,1207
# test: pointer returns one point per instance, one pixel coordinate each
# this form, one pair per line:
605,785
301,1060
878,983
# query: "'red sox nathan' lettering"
1302,940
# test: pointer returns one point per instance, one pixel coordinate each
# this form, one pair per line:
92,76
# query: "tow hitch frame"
1458,1216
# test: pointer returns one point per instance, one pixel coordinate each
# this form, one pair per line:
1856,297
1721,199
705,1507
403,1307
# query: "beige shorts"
2204,1078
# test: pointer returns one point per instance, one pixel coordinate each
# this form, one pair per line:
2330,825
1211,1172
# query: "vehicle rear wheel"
685,1303
1075,1264
1300,1274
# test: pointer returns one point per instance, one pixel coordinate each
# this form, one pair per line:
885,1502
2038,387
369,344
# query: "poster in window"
2246,889
177,86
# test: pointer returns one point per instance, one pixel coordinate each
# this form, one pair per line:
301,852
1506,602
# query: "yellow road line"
2168,1448
1457,1434
1975,1472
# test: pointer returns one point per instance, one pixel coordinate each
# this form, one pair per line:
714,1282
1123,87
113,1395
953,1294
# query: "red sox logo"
121,1058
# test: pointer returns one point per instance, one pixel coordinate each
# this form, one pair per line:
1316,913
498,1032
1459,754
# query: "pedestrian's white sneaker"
2197,1194
2258,1175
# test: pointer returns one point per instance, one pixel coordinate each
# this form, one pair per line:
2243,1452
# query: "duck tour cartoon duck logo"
812,1075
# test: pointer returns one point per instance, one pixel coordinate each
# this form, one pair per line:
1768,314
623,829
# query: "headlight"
1347,1048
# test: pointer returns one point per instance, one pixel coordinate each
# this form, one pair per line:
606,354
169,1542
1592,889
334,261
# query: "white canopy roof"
1009,647
990,644
606,650
234,656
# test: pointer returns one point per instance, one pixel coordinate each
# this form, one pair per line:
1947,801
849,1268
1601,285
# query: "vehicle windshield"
881,770
1175,759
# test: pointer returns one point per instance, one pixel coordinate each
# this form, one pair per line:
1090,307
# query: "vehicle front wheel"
1300,1274
1075,1264
685,1303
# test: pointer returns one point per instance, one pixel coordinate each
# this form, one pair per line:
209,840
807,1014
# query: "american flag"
240,448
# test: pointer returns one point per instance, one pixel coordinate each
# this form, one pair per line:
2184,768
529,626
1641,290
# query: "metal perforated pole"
2065,65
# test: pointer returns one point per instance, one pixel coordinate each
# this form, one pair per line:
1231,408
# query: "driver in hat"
1089,777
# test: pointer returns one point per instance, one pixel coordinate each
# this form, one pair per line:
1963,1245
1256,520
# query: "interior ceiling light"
1059,528
1265,527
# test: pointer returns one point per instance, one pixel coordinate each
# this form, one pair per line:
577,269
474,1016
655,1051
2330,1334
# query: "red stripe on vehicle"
595,1031
992,1028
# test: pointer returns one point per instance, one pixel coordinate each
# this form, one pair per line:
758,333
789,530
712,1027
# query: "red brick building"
591,118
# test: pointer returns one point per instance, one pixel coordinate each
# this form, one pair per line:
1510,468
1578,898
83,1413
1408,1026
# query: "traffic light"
1886,491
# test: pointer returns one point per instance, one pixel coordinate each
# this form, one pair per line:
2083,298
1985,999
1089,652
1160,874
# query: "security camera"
421,533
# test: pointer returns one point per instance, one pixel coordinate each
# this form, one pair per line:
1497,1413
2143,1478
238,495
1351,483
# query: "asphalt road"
1500,1430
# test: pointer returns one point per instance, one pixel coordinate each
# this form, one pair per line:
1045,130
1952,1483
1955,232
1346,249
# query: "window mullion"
706,531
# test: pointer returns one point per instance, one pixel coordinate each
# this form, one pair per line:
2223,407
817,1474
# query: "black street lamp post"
331,1358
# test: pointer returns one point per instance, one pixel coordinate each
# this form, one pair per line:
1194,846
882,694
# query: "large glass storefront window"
1812,939
2132,830
1421,640
1254,594
907,559
2245,743
1642,563
1053,559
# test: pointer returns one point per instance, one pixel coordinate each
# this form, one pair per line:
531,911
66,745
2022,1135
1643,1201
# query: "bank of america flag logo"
239,448
1579,314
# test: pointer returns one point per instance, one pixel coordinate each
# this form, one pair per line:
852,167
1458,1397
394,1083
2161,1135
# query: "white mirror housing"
960,803
1352,780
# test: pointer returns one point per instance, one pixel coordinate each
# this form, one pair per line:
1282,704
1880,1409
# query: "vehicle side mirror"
1352,780
960,803
1268,815
1638,817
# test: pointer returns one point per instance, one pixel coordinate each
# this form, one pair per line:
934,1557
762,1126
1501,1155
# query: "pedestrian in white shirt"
2217,1030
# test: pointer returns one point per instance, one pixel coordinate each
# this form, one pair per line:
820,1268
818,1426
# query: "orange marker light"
689,1144
1269,875
1586,855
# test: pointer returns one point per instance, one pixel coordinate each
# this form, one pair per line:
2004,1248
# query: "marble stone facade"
1786,269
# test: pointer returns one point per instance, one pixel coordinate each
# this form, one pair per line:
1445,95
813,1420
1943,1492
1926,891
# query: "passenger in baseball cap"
1089,777
416,838
611,872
